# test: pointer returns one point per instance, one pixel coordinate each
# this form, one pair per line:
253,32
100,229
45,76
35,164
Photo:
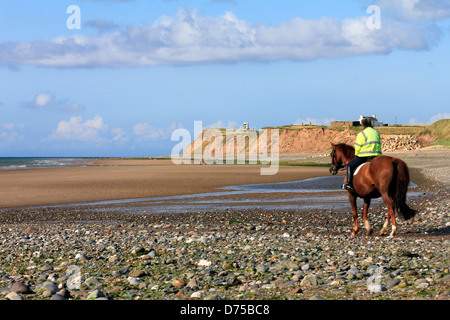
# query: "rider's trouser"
352,165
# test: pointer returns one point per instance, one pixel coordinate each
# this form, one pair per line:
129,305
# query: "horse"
384,177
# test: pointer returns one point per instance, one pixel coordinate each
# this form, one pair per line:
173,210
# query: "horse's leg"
390,215
365,212
383,231
393,222
352,199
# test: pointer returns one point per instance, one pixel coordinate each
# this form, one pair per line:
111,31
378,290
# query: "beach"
55,246
114,179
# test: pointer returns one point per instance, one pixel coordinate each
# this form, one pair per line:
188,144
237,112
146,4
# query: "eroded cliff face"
290,141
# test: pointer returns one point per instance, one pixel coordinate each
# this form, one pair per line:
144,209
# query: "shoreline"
109,179
117,179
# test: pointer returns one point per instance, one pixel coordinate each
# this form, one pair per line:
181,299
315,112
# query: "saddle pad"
359,168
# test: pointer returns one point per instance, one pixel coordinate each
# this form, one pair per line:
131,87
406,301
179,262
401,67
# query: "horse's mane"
347,151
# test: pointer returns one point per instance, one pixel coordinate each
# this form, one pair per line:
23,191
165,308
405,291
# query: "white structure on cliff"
373,119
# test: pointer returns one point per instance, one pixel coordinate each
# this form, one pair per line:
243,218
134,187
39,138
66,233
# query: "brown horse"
384,177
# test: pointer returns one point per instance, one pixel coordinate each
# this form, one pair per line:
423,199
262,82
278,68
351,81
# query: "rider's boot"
349,184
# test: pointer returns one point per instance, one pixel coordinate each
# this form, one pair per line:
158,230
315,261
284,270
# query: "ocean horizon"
16,163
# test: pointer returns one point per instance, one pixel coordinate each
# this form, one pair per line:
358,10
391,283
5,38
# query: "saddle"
359,168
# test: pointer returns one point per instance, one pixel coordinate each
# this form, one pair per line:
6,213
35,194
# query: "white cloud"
12,134
433,119
439,116
43,99
222,125
417,9
75,129
190,38
119,135
39,101
49,102
145,132
8,126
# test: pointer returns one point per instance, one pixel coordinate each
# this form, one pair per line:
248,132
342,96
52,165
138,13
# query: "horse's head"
337,159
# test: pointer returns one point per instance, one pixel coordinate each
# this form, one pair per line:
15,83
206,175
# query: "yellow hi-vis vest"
368,143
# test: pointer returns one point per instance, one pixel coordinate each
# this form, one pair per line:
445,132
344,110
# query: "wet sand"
115,179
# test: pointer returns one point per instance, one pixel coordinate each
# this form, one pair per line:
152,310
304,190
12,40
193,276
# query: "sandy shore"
116,179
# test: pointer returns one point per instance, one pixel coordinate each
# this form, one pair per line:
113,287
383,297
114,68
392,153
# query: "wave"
16,163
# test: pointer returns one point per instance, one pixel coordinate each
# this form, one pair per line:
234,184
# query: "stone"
92,282
287,264
262,269
14,296
392,283
46,267
95,294
306,267
296,291
193,284
204,263
178,283
317,297
444,279
50,287
138,274
353,271
57,297
197,294
20,287
113,259
227,266
309,280
139,251
133,281
64,293
375,288
81,257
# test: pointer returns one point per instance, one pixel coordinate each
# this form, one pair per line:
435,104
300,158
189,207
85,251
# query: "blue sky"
136,70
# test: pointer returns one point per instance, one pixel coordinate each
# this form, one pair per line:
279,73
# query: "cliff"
291,140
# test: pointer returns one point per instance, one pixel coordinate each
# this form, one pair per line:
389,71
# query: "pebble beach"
73,253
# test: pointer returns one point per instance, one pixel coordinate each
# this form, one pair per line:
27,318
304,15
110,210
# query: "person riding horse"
367,146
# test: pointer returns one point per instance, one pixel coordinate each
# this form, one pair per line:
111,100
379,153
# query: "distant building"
373,119
345,123
357,123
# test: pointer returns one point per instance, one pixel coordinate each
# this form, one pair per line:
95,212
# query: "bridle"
335,167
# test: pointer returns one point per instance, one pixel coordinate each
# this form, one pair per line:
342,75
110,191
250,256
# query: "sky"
115,78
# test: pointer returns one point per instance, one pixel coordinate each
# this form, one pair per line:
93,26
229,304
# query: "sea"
12,163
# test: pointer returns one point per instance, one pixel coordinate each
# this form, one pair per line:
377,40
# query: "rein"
335,167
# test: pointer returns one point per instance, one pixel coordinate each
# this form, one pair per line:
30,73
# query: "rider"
367,146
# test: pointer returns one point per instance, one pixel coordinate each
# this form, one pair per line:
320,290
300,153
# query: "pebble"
138,274
95,294
19,287
178,283
376,288
14,296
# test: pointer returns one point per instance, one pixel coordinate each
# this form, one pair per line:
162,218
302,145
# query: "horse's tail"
401,183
